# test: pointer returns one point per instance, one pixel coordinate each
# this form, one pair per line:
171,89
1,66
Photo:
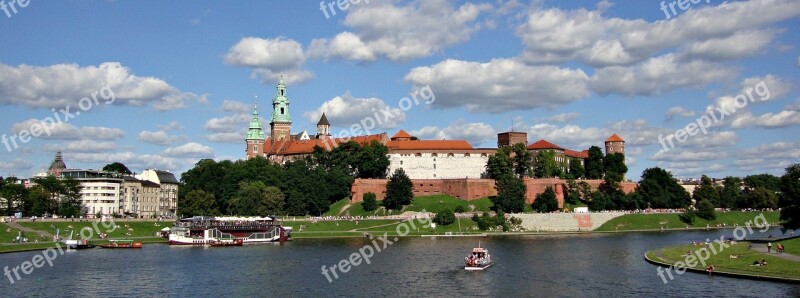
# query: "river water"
594,265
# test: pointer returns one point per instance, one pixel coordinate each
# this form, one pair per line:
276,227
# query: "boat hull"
477,268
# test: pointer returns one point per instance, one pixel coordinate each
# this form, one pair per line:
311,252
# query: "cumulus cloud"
160,137
63,85
16,165
226,137
82,146
346,110
400,33
132,160
564,117
500,85
233,106
66,131
190,150
767,120
678,111
554,35
270,58
475,133
230,123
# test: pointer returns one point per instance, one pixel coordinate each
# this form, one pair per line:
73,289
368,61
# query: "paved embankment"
564,222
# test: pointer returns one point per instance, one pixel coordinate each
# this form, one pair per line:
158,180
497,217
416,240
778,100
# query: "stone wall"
432,165
564,222
471,189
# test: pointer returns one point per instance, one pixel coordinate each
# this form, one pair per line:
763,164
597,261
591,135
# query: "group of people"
778,249
763,262
474,260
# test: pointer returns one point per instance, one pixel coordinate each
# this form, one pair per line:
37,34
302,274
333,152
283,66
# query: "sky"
704,88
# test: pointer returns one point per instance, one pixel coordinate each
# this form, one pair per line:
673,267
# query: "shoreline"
782,279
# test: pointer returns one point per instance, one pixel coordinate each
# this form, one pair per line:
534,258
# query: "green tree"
522,160
272,202
499,164
705,210
39,201
731,193
594,164
199,202
510,194
15,195
760,198
688,215
370,202
790,197
708,191
399,190
444,217
70,204
546,165
767,181
545,202
373,161
614,166
117,167
612,191
460,209
576,170
660,190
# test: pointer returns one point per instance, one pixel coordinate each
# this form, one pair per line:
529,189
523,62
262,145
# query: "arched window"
450,154
281,111
434,155
418,155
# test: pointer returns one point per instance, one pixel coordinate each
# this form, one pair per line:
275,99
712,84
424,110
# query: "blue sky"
184,75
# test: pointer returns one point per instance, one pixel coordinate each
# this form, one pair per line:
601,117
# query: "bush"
369,203
688,215
460,209
545,202
705,210
445,217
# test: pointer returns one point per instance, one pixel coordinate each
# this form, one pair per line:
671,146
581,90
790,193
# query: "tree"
460,209
444,217
117,167
510,194
272,202
500,163
688,215
399,190
15,195
546,165
790,197
38,202
522,160
545,202
372,161
614,166
370,203
731,193
760,198
594,164
199,202
70,205
763,180
660,190
705,210
706,191
576,170
612,192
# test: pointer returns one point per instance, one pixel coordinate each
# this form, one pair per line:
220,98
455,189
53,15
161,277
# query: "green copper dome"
280,104
255,132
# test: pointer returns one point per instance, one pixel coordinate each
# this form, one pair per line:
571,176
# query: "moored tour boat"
122,244
479,259
227,231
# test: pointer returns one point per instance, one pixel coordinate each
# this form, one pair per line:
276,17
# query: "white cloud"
500,85
231,123
226,137
190,150
270,58
474,133
172,125
678,111
16,165
134,161
554,35
400,33
687,155
346,110
63,85
82,146
657,76
564,117
160,137
66,131
767,120
234,106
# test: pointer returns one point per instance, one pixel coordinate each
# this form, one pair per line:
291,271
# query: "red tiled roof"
296,147
614,138
402,134
542,144
429,145
579,154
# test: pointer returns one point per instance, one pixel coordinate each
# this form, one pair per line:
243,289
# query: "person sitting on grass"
710,269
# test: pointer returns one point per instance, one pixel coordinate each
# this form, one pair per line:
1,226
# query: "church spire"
255,132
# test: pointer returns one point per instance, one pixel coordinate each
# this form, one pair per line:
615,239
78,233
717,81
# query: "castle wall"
431,165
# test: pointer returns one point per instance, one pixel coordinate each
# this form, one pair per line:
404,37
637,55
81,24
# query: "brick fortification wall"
470,189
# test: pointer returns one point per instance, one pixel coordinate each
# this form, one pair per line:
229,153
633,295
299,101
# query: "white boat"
478,260
204,230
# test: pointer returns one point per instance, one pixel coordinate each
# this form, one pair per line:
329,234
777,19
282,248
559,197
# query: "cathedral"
420,159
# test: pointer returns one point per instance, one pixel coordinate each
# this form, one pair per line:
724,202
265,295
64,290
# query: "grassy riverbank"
120,229
638,222
14,247
777,266
435,204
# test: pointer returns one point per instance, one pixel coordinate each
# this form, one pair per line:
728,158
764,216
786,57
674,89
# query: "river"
595,265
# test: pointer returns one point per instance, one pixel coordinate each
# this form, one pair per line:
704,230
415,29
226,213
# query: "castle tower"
615,144
323,127
511,138
255,135
281,123
57,165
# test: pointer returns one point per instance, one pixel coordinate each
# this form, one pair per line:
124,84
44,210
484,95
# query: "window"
281,111
466,154
434,166
418,155
450,154
434,155
401,162
255,148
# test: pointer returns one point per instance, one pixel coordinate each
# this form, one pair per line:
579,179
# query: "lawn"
630,222
7,234
122,229
790,246
722,261
419,228
437,203
334,226
336,207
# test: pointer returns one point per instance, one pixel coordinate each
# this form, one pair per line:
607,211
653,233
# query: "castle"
421,159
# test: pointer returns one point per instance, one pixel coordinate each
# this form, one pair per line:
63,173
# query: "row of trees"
518,161
260,187
47,196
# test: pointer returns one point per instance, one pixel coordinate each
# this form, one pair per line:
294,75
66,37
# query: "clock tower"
281,123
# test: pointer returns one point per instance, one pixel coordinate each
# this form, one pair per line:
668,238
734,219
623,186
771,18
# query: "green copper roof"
280,104
255,132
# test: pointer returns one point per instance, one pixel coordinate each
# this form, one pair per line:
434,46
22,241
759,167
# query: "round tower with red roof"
615,144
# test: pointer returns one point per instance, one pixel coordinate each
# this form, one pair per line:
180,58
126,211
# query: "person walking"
769,247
